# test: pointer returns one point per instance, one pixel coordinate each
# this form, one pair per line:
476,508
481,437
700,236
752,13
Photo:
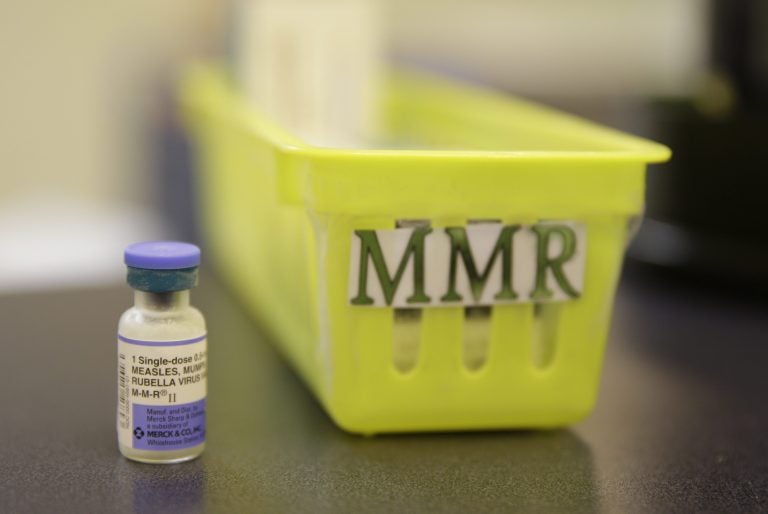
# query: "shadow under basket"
282,219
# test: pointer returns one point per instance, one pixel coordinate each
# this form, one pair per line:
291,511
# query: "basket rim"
206,89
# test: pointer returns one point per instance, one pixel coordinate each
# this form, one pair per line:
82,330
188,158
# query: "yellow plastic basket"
280,216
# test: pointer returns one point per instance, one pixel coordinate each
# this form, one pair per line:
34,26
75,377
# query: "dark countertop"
681,423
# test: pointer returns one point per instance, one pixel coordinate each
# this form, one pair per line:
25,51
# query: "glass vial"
161,357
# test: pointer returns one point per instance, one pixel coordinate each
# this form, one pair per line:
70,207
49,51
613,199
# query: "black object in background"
707,207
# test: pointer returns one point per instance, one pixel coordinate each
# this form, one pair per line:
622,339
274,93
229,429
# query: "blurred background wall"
86,97
80,81
592,48
84,84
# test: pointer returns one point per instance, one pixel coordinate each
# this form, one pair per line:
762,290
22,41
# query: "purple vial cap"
162,255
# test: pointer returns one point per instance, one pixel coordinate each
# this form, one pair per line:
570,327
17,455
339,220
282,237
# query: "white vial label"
161,393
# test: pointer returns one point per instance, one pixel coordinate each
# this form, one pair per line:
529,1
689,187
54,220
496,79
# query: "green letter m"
369,247
460,247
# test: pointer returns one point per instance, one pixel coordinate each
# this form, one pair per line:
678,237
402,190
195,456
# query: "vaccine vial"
161,357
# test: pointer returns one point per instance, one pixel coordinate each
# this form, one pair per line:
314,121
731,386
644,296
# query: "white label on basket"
478,264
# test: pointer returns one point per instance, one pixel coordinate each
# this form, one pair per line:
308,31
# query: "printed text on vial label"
162,393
